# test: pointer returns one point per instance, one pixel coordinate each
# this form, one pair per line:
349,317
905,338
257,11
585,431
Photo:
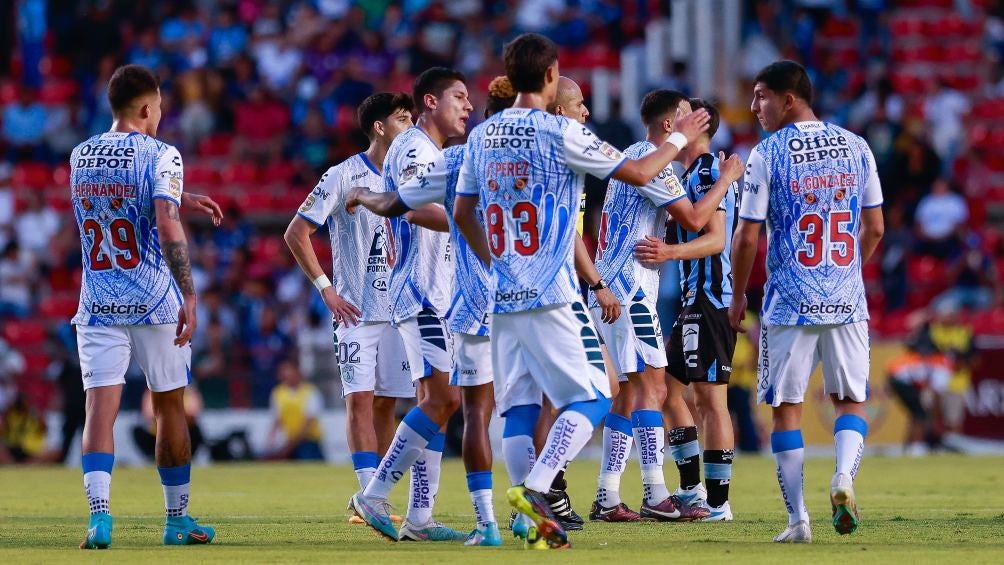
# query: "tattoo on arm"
173,213
176,255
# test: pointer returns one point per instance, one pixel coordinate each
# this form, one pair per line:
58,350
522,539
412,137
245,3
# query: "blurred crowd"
260,97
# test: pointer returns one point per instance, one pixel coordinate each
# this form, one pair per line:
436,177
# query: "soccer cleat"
355,519
534,540
795,533
696,495
619,513
520,525
535,506
99,532
376,513
721,513
431,531
561,507
672,510
487,536
845,508
183,530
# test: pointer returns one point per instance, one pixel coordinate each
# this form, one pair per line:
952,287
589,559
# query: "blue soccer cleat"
99,532
183,530
376,513
487,536
430,531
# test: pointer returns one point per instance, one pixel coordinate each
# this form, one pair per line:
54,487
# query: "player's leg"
104,358
356,349
719,446
650,433
682,437
384,422
845,353
167,370
617,441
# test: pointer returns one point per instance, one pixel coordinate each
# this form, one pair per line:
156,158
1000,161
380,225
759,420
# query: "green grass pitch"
945,509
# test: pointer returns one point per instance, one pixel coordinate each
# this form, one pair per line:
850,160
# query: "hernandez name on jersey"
114,179
629,214
528,167
360,242
810,181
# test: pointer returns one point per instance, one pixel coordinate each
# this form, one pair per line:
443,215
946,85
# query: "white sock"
484,510
789,454
569,434
364,476
849,439
519,456
424,486
98,487
650,437
617,441
176,500
406,448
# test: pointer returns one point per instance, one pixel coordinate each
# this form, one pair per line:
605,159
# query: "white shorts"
553,351
634,340
371,358
428,344
473,363
105,352
789,354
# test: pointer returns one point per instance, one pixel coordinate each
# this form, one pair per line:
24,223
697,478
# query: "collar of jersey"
426,134
368,163
697,162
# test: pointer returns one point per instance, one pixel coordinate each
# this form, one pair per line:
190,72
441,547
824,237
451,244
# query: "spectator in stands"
64,369
6,204
944,109
915,167
296,407
147,51
182,28
22,434
12,365
972,278
917,378
227,39
196,119
16,276
313,343
939,218
267,346
896,247
213,362
35,227
24,127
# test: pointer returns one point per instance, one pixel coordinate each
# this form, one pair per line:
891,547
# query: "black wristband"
598,286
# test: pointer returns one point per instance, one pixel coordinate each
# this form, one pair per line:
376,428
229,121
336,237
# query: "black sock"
718,474
686,452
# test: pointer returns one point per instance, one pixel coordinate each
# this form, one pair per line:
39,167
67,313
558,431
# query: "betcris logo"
516,295
120,309
839,308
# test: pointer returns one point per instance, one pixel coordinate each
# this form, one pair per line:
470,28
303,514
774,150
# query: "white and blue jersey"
810,181
629,214
528,167
114,179
411,154
708,277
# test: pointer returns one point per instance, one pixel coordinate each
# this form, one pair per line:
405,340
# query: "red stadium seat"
216,145
279,172
200,174
32,175
59,306
240,173
21,333
990,322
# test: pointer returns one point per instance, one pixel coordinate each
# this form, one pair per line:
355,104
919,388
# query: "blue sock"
176,481
517,441
364,463
789,454
413,435
97,468
849,432
479,483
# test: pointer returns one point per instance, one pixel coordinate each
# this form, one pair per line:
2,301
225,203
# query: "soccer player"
367,348
467,316
137,298
527,168
816,186
440,97
635,215
702,342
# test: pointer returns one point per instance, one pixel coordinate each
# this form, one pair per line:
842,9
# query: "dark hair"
128,83
500,96
526,61
433,81
786,76
658,102
715,118
380,106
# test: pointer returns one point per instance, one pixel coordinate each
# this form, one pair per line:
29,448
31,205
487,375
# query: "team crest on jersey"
610,151
348,373
308,203
409,173
674,186
174,186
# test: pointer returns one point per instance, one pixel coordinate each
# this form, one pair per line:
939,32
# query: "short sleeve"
873,187
428,185
467,183
323,199
664,189
169,178
587,154
753,203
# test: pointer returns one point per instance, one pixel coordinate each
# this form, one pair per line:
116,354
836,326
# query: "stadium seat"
201,175
59,306
278,172
216,145
22,333
240,173
32,175
989,322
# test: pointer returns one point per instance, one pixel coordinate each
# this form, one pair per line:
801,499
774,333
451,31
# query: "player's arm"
651,251
465,211
386,204
872,222
204,203
174,247
611,307
752,213
430,216
694,216
641,171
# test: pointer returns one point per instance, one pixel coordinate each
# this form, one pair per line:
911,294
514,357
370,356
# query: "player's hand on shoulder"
343,311
609,305
186,322
732,168
352,199
651,251
737,312
204,203
692,125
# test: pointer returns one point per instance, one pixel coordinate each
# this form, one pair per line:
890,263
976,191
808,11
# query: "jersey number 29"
122,236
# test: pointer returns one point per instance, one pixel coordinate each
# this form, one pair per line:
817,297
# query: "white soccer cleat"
845,507
721,513
694,496
799,532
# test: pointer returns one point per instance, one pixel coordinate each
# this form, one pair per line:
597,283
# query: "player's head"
384,115
500,95
715,117
441,94
531,63
289,373
659,107
134,95
781,90
569,101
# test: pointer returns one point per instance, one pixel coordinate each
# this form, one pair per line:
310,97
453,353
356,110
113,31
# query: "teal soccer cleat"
487,536
183,530
431,531
99,532
376,513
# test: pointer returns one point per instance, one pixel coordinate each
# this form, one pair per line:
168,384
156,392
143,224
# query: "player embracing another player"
817,187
